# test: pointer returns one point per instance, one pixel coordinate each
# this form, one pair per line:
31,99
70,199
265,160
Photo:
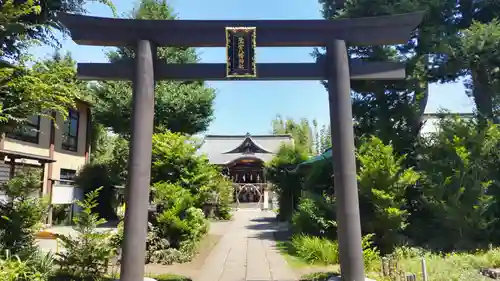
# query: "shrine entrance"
248,193
247,175
241,40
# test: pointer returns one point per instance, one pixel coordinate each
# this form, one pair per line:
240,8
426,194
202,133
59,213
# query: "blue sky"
242,107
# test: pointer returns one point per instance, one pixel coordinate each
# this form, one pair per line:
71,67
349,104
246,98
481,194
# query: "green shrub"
315,216
175,230
183,183
318,276
175,161
371,254
170,277
315,249
319,178
117,238
406,252
320,250
61,214
448,267
36,267
86,255
459,192
22,214
178,221
382,181
217,191
174,239
286,185
98,175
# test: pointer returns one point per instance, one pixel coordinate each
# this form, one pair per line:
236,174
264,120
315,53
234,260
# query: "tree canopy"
50,85
306,134
456,39
184,107
23,23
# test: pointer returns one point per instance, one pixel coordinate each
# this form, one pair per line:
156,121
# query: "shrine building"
243,159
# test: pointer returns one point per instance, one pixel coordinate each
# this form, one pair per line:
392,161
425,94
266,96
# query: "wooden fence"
392,270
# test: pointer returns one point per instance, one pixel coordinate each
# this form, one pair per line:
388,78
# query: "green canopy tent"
326,155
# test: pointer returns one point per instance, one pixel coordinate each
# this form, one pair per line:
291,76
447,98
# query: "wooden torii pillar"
336,68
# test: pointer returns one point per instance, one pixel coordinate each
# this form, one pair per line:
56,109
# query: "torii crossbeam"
336,68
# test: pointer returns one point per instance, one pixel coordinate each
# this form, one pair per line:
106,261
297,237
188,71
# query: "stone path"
247,251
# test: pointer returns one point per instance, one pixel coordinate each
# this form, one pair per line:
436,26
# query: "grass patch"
318,276
293,261
314,250
300,265
170,277
449,267
304,251
454,266
160,277
321,251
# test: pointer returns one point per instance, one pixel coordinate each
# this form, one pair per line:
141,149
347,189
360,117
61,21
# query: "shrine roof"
223,149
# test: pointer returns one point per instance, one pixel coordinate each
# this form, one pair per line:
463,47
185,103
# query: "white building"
432,119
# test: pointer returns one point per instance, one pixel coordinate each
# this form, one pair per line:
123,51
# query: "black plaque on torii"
241,43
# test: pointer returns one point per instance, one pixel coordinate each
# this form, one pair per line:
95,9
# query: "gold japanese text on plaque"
240,52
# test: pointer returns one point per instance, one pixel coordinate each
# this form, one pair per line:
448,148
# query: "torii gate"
336,68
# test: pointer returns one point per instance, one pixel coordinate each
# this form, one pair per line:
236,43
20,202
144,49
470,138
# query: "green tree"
447,45
376,102
317,146
301,132
459,188
175,161
22,214
184,107
479,49
183,184
316,215
382,181
287,185
456,39
178,221
50,85
325,138
97,176
23,23
87,254
102,143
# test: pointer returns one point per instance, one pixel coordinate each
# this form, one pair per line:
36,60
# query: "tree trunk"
384,122
483,95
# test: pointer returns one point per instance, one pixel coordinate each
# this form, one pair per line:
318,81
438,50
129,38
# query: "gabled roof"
223,149
248,146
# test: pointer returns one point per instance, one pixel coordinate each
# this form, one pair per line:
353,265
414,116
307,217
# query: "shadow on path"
269,228
265,219
248,251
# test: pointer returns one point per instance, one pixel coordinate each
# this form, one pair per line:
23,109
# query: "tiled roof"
217,146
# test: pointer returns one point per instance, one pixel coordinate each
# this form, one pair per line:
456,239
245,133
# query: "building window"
70,133
67,176
28,132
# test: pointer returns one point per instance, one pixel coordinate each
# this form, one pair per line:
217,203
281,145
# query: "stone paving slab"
247,252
